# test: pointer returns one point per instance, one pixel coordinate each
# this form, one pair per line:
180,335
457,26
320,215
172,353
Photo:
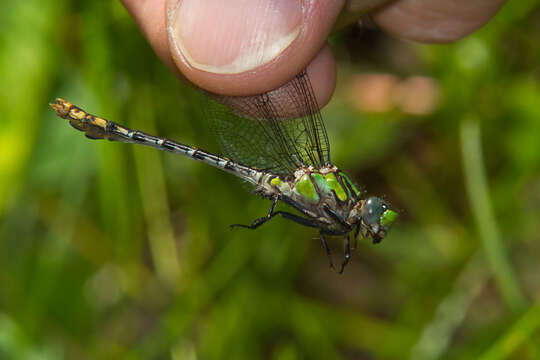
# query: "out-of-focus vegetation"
109,251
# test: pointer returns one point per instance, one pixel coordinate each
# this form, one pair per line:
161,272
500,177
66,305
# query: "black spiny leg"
356,232
336,216
297,219
347,254
325,247
258,222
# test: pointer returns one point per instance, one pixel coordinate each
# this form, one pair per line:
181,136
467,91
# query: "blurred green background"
111,251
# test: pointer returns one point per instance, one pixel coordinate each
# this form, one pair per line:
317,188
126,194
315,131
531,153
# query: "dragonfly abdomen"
98,128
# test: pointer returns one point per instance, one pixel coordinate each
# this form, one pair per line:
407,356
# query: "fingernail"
234,36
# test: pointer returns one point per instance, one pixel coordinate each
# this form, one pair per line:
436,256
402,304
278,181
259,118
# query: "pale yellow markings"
64,103
122,129
77,114
102,123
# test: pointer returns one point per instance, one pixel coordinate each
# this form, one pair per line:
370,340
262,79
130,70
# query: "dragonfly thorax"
329,196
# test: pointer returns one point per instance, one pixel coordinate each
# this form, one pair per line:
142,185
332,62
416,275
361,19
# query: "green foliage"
112,251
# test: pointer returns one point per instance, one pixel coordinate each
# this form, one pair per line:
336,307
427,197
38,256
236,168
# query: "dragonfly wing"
277,131
245,141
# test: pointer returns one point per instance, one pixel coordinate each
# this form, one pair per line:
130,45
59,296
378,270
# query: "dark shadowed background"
112,251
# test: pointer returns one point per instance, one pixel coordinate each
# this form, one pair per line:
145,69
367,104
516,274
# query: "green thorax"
315,185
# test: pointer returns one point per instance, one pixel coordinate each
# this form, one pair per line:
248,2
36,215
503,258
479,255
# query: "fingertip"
222,74
435,21
317,58
322,73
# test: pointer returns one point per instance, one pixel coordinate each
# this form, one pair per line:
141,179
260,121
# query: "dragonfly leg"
297,219
334,215
326,249
347,254
258,222
356,232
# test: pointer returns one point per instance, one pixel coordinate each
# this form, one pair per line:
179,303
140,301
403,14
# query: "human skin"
253,46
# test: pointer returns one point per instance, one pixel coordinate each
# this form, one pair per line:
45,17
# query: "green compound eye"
377,218
373,211
388,217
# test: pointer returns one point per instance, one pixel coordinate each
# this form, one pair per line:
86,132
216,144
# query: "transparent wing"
277,131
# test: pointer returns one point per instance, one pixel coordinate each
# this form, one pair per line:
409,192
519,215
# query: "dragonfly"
284,155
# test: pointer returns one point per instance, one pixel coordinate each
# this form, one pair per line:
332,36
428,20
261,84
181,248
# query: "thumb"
243,47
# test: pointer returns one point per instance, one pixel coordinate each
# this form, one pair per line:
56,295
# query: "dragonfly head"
377,218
